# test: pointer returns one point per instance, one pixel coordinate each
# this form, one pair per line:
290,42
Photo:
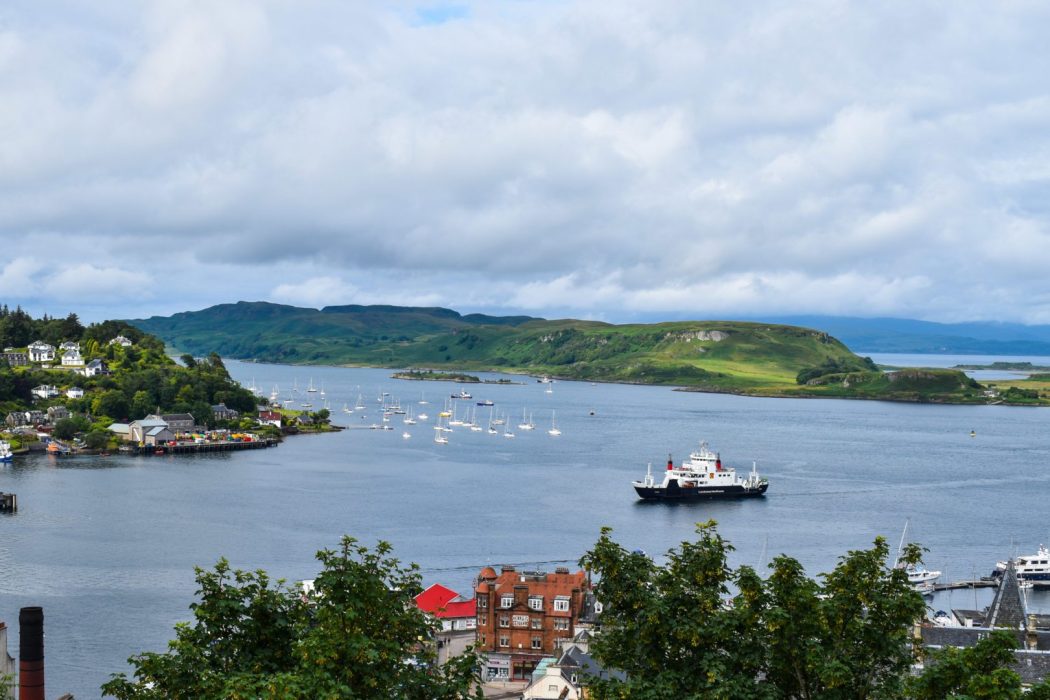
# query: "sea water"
107,545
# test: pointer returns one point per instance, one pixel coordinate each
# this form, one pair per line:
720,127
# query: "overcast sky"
600,159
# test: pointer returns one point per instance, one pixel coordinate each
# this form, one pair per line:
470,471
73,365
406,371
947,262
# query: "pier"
960,585
8,503
186,448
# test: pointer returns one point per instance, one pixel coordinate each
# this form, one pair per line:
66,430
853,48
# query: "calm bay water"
107,545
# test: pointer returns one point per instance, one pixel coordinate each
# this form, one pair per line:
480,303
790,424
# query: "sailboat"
550,387
347,409
311,388
492,430
439,434
409,420
422,399
525,424
506,431
322,389
554,427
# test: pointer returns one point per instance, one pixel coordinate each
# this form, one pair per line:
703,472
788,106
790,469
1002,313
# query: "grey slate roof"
1007,608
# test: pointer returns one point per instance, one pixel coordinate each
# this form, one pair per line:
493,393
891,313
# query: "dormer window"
561,604
506,601
536,602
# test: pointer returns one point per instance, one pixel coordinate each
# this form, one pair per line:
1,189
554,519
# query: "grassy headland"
719,356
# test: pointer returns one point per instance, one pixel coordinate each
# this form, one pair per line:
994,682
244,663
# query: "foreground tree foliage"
678,632
359,635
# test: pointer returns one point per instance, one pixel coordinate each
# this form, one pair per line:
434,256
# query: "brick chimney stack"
31,654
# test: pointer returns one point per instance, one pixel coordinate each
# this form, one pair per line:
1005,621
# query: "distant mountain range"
866,335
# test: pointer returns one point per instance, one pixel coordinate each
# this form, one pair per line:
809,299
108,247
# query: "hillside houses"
121,341
45,391
72,357
15,358
40,351
94,368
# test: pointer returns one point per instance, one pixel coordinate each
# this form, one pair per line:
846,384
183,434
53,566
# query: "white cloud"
589,156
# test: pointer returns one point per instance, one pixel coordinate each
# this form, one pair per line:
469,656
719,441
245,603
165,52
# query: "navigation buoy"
973,433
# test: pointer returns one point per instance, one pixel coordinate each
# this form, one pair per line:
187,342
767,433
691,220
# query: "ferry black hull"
674,492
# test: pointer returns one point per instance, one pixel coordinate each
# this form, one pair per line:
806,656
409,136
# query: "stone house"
57,413
221,412
15,358
177,422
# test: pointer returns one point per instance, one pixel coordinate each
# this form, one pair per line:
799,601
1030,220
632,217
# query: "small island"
1007,366
430,375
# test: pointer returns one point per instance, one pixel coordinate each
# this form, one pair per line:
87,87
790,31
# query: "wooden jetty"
8,503
960,585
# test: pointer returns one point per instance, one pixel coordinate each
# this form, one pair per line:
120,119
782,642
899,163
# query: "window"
537,642
470,623
536,602
483,618
504,641
506,601
483,602
561,604
537,623
561,624
552,688
521,620
482,640
504,621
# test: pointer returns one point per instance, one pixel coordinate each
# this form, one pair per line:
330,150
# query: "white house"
45,391
72,358
69,345
94,368
39,351
121,341
74,392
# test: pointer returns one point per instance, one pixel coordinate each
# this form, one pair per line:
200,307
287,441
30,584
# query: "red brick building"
523,616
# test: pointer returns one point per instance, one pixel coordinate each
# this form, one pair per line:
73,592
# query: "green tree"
359,636
96,439
669,629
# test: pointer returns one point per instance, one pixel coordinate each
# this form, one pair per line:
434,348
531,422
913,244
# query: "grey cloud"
601,157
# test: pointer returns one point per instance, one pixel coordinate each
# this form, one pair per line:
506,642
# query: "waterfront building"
524,616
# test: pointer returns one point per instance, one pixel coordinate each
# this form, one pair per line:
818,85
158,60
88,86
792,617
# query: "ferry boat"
1033,569
463,394
701,477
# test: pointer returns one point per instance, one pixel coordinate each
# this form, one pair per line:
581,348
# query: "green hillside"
726,356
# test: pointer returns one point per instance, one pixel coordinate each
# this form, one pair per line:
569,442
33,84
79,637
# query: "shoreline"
998,401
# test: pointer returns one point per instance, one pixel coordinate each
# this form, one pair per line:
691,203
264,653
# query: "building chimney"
31,654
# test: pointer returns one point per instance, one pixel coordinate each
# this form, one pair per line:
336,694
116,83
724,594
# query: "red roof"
459,608
445,602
